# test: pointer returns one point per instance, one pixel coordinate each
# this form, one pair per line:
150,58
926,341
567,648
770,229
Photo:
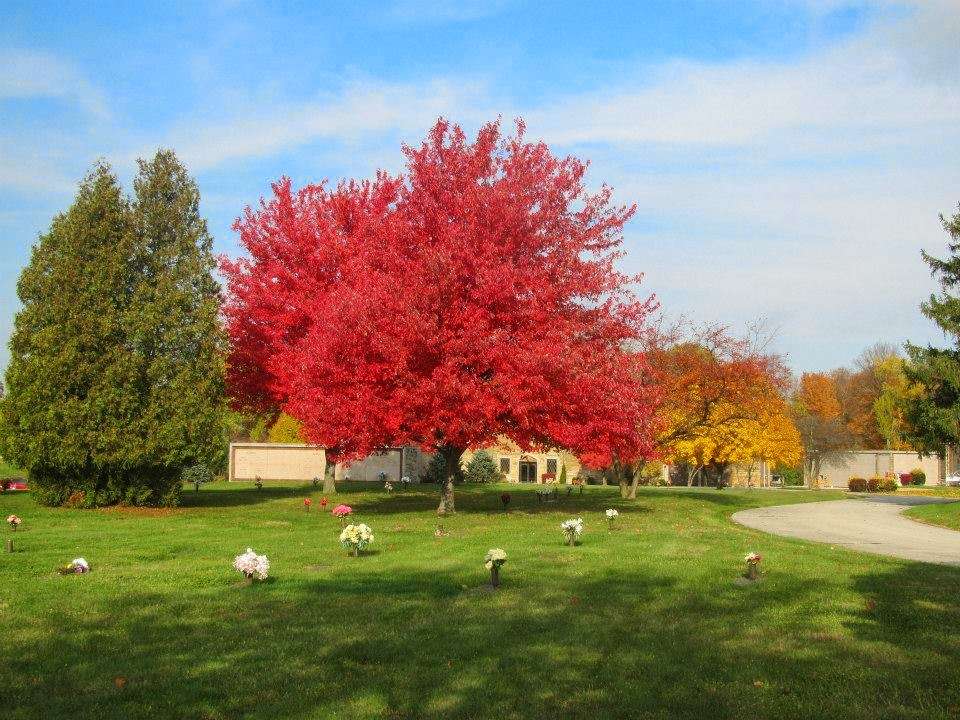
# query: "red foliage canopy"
474,297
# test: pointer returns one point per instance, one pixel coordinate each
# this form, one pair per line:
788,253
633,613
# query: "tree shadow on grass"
420,644
484,499
237,494
915,609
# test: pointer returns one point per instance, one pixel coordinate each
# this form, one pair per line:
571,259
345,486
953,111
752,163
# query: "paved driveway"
873,524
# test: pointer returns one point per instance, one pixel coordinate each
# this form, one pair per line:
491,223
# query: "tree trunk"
722,477
622,472
330,481
635,480
626,474
451,456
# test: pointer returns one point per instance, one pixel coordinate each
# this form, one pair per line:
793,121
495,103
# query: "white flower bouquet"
388,486
356,537
493,561
572,530
13,521
251,565
753,565
77,566
494,558
612,514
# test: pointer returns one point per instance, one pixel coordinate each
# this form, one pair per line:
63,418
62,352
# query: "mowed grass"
946,515
645,621
8,471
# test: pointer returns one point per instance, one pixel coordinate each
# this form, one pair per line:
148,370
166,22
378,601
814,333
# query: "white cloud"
29,73
800,189
361,112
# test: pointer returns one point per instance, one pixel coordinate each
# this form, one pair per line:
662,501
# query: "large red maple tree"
475,296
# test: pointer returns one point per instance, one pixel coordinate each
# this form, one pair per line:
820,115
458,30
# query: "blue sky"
788,159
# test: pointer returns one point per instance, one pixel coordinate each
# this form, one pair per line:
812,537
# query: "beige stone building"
275,461
387,464
279,461
838,470
518,466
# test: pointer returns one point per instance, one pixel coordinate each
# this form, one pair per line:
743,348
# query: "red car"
14,485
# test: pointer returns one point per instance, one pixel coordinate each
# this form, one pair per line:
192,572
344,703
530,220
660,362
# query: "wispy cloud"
801,188
31,74
362,110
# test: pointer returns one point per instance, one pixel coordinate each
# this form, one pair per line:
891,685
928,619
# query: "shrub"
918,476
481,468
791,476
436,471
563,474
146,486
906,478
887,484
857,484
196,475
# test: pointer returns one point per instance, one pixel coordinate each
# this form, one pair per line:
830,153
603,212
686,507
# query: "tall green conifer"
172,322
933,417
115,380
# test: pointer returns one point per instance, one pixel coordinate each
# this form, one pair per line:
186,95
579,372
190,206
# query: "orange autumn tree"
817,414
771,438
818,396
754,428
721,403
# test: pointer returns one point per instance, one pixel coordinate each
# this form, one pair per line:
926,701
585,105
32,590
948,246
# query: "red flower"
307,502
323,502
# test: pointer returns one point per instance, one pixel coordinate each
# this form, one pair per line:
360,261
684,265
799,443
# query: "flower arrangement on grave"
356,537
611,514
493,561
77,566
572,530
251,565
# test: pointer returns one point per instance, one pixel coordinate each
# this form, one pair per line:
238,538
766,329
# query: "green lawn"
646,621
946,515
8,470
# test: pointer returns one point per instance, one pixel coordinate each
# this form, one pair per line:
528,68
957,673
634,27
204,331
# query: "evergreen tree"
116,371
173,322
481,468
66,374
933,416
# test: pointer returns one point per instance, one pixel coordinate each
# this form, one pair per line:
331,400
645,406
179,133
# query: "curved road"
873,524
